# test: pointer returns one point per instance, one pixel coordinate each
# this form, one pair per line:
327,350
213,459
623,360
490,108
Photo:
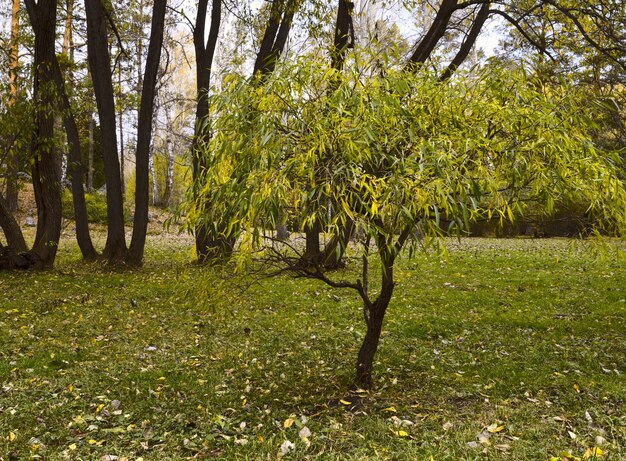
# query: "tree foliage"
393,153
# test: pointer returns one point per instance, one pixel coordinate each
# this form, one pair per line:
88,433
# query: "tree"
144,132
215,238
100,68
99,62
13,158
406,150
204,62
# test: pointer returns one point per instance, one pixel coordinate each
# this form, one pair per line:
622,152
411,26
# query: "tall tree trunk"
169,167
75,168
68,40
275,36
13,159
435,33
90,152
153,179
144,132
120,126
344,39
45,176
100,67
204,62
468,42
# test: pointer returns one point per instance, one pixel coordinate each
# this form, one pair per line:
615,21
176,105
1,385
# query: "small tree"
393,153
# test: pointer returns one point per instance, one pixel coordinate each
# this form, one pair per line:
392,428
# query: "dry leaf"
493,428
594,452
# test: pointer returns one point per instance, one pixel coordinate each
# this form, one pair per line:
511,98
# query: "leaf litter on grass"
78,350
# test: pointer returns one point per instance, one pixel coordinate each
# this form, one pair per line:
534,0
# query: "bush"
96,207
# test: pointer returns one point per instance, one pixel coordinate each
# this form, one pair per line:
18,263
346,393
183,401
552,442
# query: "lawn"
501,350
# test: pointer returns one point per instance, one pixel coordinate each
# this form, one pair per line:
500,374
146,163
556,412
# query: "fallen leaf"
447,426
567,456
304,433
483,438
286,447
577,388
494,428
594,452
288,423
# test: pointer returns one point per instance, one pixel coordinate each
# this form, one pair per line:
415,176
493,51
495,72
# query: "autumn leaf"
594,452
494,428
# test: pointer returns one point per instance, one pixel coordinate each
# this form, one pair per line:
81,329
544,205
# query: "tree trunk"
75,168
13,158
90,152
374,316
121,133
46,182
153,179
275,37
344,39
204,61
100,68
15,254
436,31
11,228
468,43
336,248
312,253
169,172
144,133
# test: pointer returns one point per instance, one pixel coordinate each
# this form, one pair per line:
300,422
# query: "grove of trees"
363,128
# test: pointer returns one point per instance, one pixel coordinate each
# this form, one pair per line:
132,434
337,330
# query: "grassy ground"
505,350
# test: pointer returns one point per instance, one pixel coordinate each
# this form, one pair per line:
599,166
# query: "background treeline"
105,106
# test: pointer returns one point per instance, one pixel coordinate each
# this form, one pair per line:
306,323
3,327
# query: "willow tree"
215,237
395,152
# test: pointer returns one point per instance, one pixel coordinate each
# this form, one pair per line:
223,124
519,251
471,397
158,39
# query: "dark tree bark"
204,62
90,152
275,36
344,35
75,169
100,68
12,232
14,255
13,158
344,39
46,182
374,316
269,36
144,133
435,33
468,43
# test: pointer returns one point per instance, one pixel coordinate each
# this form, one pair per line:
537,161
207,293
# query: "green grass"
527,337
